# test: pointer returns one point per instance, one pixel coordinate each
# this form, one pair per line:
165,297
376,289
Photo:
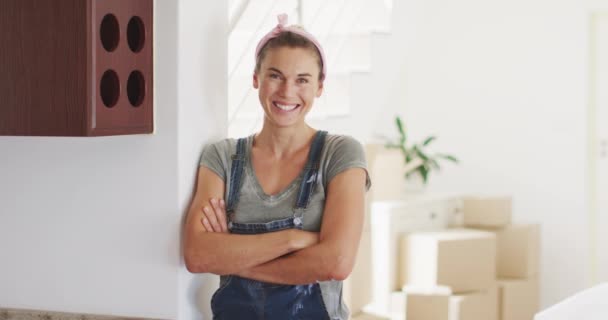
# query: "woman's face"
287,83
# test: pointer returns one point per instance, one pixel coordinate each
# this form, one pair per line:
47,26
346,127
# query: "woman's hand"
214,216
214,220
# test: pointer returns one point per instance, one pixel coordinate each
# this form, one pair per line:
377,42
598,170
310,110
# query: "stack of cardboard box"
447,275
517,260
487,270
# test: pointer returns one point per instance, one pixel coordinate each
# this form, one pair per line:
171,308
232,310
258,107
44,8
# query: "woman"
287,232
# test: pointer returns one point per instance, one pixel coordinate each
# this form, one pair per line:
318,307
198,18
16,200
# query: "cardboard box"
462,259
385,167
487,212
518,251
481,305
427,306
390,220
369,316
518,299
420,298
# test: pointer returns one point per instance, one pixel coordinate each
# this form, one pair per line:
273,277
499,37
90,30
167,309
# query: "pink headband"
282,28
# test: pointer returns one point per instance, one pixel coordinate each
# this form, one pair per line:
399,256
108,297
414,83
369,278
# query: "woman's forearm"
315,263
224,253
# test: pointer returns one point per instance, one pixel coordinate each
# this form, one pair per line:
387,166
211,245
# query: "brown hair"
291,40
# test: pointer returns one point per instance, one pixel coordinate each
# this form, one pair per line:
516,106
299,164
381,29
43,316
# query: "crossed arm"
330,254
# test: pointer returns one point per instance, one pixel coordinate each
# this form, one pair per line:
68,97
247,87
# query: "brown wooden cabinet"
76,67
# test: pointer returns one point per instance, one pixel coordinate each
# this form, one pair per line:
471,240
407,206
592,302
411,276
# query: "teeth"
286,107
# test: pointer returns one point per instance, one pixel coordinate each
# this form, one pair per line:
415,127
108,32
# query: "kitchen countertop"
19,314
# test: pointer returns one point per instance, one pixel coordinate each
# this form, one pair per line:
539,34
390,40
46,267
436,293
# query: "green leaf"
434,164
399,125
408,157
425,174
428,140
448,157
401,130
421,154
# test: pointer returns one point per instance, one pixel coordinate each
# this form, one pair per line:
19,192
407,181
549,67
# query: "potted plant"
418,162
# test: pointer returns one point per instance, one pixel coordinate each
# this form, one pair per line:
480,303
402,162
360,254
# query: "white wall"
92,224
504,86
202,118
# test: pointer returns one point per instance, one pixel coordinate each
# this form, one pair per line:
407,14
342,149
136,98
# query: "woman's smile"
285,106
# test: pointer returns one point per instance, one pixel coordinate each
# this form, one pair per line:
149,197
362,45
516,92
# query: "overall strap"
236,174
308,183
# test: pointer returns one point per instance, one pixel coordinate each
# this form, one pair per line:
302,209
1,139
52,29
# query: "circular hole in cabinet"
136,34
136,88
109,88
109,32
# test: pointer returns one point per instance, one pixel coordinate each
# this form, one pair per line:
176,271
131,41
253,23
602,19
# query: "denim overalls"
243,299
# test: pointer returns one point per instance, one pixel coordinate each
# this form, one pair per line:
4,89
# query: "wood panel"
52,61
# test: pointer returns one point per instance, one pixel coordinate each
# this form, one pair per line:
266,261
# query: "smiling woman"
286,87
279,214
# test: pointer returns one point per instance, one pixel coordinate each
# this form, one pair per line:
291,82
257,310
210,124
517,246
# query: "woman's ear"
320,89
256,83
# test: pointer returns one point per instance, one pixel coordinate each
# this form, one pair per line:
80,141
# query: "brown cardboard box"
389,222
482,305
462,259
369,316
419,299
427,306
518,299
517,251
385,167
487,212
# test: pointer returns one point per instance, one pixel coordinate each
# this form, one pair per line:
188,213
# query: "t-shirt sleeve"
344,153
212,157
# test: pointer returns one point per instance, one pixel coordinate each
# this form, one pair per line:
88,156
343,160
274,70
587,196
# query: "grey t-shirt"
339,153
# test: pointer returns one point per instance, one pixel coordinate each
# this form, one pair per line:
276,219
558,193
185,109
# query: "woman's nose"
287,89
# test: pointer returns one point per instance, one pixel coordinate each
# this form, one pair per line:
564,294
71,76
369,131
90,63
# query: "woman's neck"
284,142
